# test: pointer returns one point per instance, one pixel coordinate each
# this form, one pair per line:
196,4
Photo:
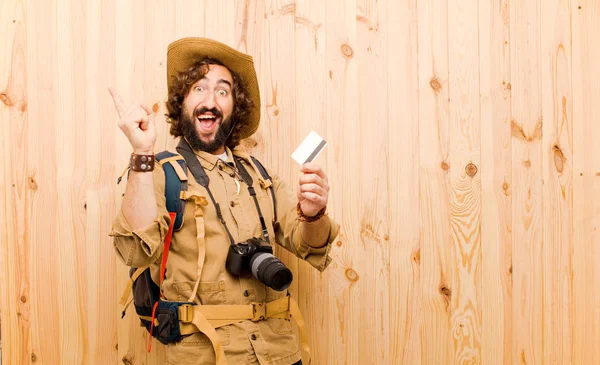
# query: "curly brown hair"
242,104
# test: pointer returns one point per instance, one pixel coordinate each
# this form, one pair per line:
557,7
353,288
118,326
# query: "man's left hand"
313,190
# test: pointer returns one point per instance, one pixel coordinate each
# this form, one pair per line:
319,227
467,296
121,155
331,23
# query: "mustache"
204,110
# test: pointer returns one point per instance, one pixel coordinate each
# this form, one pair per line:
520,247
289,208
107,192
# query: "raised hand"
137,123
313,189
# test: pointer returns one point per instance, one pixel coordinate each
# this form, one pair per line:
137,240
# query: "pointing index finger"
119,104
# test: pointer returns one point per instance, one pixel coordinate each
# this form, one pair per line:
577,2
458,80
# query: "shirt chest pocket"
212,292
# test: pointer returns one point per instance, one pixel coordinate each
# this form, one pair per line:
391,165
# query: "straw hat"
184,52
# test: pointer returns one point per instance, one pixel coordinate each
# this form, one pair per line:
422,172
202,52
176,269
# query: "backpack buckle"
186,313
259,311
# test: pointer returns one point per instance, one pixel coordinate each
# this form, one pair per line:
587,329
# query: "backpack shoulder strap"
176,182
265,175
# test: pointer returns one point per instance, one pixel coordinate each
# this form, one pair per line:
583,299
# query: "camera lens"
270,271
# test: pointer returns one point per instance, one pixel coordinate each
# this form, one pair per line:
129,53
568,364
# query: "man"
214,103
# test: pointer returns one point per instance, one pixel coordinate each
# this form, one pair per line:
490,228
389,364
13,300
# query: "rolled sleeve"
138,247
315,242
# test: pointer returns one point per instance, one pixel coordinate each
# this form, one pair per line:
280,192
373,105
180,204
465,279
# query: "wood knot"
417,257
526,163
347,51
273,111
155,107
23,299
126,360
5,99
435,84
559,159
505,186
471,169
510,270
33,357
351,275
446,292
445,166
339,243
32,184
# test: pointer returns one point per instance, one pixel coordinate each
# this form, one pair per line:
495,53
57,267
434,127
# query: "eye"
199,88
223,92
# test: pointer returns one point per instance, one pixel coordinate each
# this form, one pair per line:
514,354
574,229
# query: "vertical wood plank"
586,184
465,194
403,182
15,195
371,174
342,112
557,159
526,130
437,257
496,260
71,326
42,223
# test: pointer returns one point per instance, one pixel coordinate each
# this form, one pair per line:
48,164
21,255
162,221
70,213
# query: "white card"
309,149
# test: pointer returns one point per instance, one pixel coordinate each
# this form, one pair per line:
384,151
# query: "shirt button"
253,337
246,293
232,203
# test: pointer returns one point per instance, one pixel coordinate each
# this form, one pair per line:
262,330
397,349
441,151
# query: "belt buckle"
259,311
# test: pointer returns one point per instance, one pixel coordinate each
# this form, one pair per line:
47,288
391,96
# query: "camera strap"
248,180
199,174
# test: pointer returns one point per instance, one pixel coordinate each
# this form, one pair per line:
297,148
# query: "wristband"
141,163
304,218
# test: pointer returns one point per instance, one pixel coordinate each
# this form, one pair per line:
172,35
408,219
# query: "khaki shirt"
269,341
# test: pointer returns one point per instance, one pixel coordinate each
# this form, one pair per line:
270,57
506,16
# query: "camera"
255,256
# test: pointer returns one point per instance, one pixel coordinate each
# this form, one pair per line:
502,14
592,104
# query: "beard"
224,129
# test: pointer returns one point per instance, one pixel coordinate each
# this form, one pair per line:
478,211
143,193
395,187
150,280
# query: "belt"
205,318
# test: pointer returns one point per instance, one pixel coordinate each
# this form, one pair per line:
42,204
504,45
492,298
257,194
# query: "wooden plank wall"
463,157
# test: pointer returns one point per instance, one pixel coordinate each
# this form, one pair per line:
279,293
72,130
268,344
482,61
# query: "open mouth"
208,122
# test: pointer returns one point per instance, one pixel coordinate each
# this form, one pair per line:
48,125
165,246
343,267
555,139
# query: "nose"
209,100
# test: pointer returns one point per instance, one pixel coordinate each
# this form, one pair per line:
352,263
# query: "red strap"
163,266
152,326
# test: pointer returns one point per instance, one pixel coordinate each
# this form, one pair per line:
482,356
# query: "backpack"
161,317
